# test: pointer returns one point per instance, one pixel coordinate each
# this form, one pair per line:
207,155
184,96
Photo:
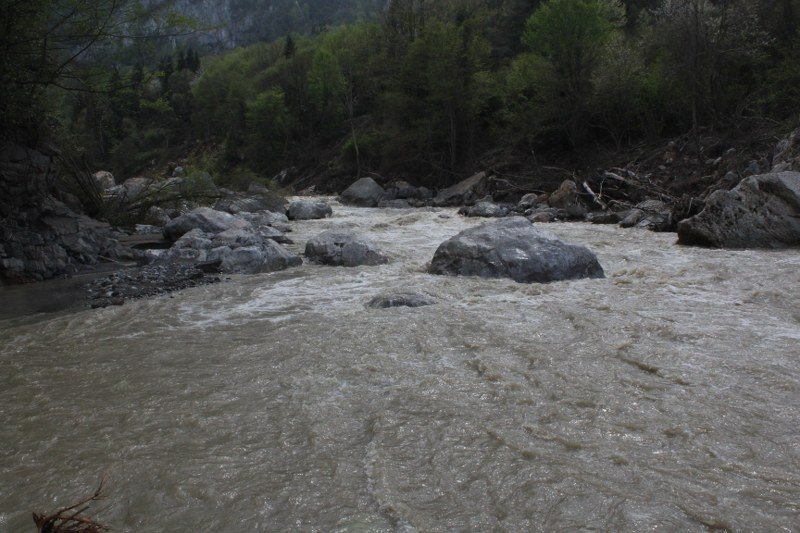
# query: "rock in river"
363,193
308,210
401,299
344,248
513,248
761,212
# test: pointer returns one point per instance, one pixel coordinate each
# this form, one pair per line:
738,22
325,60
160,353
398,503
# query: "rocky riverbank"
193,233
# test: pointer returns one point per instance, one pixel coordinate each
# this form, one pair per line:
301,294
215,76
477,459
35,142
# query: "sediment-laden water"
665,397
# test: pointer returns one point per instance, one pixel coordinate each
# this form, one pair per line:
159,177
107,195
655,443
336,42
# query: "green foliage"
570,36
424,91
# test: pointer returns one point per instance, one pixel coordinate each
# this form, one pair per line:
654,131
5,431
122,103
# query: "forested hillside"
430,90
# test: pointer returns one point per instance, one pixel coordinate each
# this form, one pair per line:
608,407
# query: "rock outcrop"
40,237
513,248
363,193
344,248
761,212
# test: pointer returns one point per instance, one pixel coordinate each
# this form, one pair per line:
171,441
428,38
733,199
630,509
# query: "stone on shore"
344,248
761,212
465,192
513,248
206,219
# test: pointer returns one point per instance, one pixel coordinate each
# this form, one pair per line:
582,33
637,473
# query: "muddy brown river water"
663,398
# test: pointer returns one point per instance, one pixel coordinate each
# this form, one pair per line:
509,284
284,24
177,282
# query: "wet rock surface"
513,248
308,210
344,248
761,212
363,193
205,219
400,299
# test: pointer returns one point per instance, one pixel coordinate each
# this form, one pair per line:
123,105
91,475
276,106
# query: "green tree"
570,36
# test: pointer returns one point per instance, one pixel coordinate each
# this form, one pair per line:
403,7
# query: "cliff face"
230,23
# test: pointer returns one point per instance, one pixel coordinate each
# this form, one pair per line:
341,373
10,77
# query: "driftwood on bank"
74,518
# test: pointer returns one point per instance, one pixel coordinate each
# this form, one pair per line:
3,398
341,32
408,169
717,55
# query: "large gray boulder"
266,256
206,219
308,210
464,192
513,248
344,248
237,251
761,212
363,193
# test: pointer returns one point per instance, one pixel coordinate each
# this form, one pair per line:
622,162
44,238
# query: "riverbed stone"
309,210
761,212
363,193
401,299
514,248
206,219
344,248
266,256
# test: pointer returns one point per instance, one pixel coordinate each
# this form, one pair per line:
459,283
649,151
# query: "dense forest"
428,90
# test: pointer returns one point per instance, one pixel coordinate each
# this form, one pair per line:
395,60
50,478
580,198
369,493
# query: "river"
665,397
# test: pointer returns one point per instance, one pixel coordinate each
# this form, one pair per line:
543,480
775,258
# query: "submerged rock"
363,193
344,248
308,210
761,212
402,299
513,248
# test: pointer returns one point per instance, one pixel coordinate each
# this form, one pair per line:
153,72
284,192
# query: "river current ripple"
665,397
